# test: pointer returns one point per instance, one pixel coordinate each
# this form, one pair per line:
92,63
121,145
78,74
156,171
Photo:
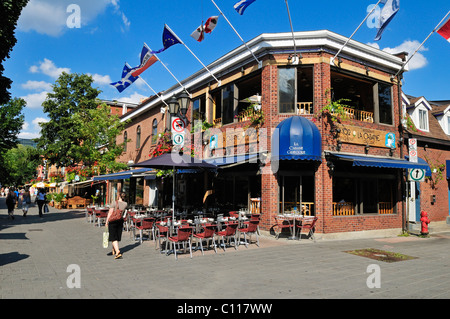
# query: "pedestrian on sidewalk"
40,198
26,201
11,202
114,222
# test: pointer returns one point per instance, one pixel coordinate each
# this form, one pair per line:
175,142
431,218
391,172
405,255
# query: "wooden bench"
76,202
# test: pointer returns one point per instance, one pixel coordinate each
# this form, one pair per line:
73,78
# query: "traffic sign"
416,175
412,150
178,125
178,139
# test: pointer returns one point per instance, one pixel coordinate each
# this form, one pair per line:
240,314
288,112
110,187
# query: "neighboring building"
344,164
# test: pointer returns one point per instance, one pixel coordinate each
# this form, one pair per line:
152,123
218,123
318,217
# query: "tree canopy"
80,129
9,14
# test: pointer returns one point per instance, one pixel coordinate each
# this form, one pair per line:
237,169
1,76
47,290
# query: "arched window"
125,139
138,137
154,131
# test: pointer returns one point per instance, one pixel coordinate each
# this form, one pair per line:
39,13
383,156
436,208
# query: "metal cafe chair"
281,223
228,233
252,228
207,234
183,236
308,223
161,233
145,224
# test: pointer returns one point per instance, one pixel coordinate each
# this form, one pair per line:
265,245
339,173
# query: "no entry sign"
178,125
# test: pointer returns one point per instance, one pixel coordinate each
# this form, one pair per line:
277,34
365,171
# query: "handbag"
46,210
116,214
105,239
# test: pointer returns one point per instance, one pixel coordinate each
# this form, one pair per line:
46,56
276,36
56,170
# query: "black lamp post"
179,106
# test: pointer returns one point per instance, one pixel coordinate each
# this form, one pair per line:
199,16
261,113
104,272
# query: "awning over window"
123,175
383,162
447,167
296,138
226,161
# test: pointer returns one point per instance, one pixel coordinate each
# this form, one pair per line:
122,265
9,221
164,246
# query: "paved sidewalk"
40,258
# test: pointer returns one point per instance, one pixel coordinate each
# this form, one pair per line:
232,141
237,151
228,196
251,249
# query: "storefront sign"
366,136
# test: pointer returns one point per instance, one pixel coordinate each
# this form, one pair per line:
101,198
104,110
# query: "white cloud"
37,86
418,61
50,17
35,100
49,68
34,131
133,98
101,79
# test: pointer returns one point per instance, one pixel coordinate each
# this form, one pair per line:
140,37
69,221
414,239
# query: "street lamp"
180,105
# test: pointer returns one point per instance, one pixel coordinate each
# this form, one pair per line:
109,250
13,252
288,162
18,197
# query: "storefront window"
198,109
297,194
286,90
228,104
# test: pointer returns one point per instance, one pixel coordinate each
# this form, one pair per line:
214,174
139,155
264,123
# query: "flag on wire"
388,12
147,60
444,30
127,79
169,38
241,5
199,33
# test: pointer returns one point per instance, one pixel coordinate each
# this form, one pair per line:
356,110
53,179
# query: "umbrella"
172,161
39,185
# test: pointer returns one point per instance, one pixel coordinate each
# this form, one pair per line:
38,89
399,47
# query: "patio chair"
143,225
228,233
207,234
308,223
101,215
89,214
183,236
252,228
281,224
161,232
234,214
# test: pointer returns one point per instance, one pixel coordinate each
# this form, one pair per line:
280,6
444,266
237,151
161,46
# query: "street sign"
416,175
412,150
178,125
178,139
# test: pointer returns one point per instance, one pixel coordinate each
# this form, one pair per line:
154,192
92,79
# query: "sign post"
177,127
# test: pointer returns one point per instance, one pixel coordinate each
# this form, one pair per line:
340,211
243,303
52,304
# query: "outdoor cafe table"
291,218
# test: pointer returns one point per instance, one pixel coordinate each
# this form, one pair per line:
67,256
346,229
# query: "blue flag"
241,5
169,38
388,12
127,79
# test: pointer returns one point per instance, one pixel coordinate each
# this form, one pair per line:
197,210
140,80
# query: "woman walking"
11,202
26,201
40,200
114,222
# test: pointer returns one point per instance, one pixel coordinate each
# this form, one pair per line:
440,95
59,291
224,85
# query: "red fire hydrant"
425,221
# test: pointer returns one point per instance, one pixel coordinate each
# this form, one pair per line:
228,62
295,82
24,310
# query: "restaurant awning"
382,162
228,161
123,175
296,138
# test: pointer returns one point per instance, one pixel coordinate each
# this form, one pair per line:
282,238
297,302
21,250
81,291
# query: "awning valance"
296,138
383,162
122,175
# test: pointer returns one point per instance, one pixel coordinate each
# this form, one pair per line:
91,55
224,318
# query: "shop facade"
290,131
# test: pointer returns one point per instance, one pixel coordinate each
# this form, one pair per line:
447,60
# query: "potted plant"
57,198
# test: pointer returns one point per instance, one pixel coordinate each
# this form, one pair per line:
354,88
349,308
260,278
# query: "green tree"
20,164
9,14
98,131
61,137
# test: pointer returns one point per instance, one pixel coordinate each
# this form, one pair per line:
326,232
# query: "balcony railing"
348,208
305,108
358,115
307,207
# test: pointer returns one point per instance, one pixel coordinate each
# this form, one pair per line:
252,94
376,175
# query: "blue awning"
382,162
296,138
122,175
447,167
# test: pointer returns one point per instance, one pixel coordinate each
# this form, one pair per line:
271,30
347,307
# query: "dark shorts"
115,230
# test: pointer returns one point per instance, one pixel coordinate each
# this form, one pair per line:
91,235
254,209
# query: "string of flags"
169,38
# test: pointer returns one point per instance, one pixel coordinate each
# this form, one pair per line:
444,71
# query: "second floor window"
138,137
423,120
125,139
154,131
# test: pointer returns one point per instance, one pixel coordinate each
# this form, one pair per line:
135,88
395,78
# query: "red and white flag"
444,30
211,24
199,33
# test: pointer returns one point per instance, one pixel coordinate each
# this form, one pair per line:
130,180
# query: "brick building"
291,131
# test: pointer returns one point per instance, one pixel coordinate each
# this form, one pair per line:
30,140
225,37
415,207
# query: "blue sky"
113,32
